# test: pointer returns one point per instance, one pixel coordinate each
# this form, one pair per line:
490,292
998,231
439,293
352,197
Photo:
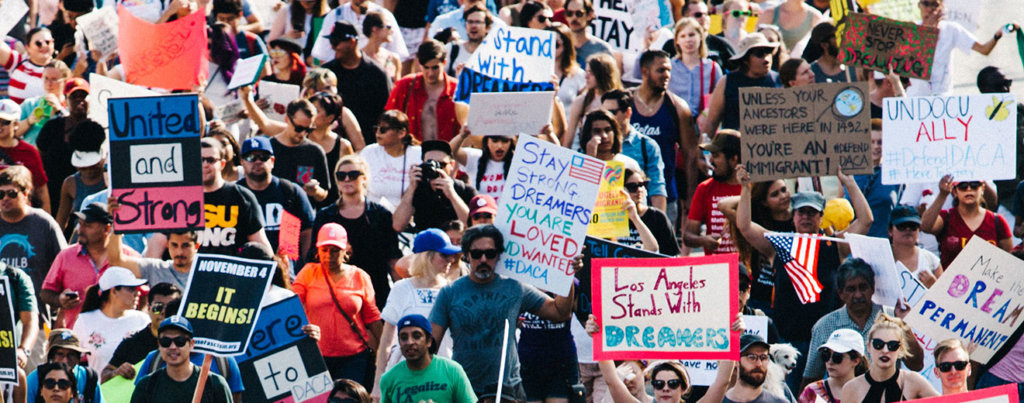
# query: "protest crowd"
485,200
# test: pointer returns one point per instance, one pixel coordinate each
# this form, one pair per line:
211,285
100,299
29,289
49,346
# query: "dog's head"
784,354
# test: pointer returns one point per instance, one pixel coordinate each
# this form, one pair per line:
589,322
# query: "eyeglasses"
892,345
210,160
699,15
11,193
968,185
757,357
931,4
303,129
40,43
672,383
760,52
908,226
62,384
741,13
478,253
635,186
946,366
575,13
836,358
179,341
260,156
482,216
157,308
348,175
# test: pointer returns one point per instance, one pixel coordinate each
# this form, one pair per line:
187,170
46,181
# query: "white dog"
783,360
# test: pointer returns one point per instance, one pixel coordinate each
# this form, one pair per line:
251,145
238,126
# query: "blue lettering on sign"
471,81
279,325
172,116
651,337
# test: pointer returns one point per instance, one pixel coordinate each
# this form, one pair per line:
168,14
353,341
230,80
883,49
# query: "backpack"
91,380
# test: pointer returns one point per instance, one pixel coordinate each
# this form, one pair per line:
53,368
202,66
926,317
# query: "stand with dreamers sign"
875,42
222,301
979,298
811,130
155,169
545,209
971,137
471,81
676,308
515,54
8,344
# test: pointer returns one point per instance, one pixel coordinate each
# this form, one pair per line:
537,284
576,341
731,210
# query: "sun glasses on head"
672,383
179,341
946,366
478,253
892,345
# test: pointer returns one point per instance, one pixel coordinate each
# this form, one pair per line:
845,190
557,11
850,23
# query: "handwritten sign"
515,54
874,42
100,28
877,252
996,394
170,55
8,344
971,137
155,166
703,372
471,81
280,361
839,9
277,95
247,71
610,220
900,10
623,23
598,248
104,88
288,237
979,298
910,286
545,208
810,130
675,308
510,114
11,12
222,301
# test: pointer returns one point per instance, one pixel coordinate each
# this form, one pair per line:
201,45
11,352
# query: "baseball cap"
343,31
63,338
433,239
482,204
76,84
844,341
805,199
94,212
903,213
117,276
726,141
415,320
176,322
88,158
436,145
9,110
332,234
258,143
751,340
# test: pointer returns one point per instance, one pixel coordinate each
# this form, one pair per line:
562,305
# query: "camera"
71,294
430,170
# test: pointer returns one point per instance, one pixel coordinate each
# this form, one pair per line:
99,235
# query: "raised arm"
864,218
268,126
456,144
716,109
931,222
115,253
650,243
752,231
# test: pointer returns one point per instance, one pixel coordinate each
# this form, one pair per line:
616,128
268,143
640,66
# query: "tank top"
793,36
662,128
733,82
82,190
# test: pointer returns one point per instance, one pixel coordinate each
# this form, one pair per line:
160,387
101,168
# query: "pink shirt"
74,270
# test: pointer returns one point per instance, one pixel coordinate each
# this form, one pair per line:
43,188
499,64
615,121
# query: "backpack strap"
91,378
223,365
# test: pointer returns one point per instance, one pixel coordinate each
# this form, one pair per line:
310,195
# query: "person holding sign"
26,69
177,381
652,218
904,231
487,166
955,226
410,381
885,381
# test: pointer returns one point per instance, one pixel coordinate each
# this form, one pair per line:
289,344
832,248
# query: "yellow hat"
838,214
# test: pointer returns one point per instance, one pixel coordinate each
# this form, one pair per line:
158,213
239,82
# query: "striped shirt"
26,78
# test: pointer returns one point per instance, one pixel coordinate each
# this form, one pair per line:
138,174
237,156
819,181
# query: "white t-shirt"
149,10
406,299
493,181
951,35
100,334
389,176
322,49
570,88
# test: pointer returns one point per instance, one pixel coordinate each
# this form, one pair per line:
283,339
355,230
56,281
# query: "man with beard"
476,308
578,15
855,284
423,377
302,161
275,195
478,23
725,156
753,369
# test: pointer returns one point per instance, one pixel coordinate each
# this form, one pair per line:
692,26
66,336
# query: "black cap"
79,6
751,340
343,31
725,141
436,145
95,212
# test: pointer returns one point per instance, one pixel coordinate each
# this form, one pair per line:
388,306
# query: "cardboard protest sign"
971,137
11,12
900,10
281,363
810,130
222,301
874,42
545,207
510,114
979,298
100,28
839,10
155,164
675,308
703,372
471,81
996,394
170,55
515,54
247,71
8,343
103,88
288,235
610,220
599,248
277,95
877,252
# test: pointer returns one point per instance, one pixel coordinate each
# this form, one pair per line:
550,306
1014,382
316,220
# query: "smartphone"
72,294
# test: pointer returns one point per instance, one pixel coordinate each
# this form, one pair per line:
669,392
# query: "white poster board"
102,88
100,28
972,137
247,71
967,13
11,12
510,113
877,253
516,54
278,95
703,372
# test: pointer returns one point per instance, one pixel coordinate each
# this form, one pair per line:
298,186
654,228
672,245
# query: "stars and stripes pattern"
799,253
586,169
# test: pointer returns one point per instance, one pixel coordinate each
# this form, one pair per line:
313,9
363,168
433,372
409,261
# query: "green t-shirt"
442,381
165,389
23,294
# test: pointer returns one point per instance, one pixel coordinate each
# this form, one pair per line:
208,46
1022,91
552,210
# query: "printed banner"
996,394
598,248
674,308
811,130
544,211
610,220
155,163
282,364
8,343
703,372
978,298
510,114
515,54
102,88
11,12
100,28
971,137
171,55
222,301
277,96
471,81
877,252
874,42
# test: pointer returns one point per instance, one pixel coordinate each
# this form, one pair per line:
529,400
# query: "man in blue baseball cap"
423,376
177,381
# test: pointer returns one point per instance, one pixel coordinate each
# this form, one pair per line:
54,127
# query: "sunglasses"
892,345
40,43
828,355
635,186
347,175
575,13
760,52
4,123
743,13
303,129
672,383
210,160
908,226
543,19
157,308
968,185
946,366
253,157
11,193
478,253
179,341
126,287
482,216
277,53
383,129
699,15
62,384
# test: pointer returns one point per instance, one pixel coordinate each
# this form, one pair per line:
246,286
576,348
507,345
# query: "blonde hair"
360,163
690,23
886,322
62,67
731,5
421,264
948,345
318,78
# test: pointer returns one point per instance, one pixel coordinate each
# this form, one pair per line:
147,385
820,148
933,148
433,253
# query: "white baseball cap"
9,110
117,276
844,341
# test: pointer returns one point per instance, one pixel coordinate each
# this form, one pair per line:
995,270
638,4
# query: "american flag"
586,169
800,255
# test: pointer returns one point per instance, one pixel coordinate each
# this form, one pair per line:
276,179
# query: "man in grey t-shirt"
182,246
476,308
